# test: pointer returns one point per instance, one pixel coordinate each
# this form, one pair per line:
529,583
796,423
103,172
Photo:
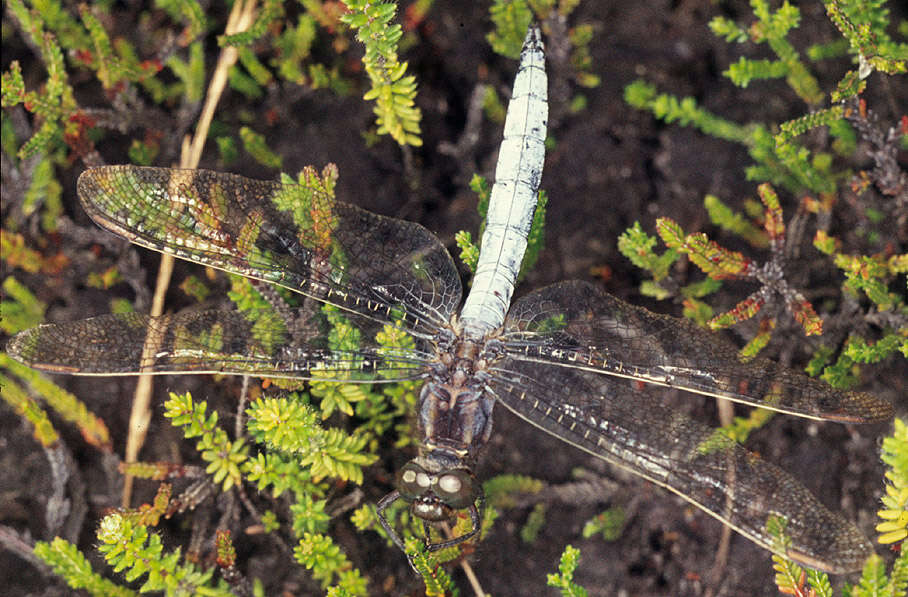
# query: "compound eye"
456,488
413,481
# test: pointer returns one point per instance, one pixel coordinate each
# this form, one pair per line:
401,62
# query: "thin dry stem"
241,17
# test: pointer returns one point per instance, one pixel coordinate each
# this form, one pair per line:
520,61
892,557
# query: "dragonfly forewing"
573,324
610,418
292,235
224,342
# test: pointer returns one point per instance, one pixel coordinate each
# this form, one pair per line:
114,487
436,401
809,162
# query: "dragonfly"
569,359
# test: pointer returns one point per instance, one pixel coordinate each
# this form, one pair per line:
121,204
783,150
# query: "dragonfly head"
434,496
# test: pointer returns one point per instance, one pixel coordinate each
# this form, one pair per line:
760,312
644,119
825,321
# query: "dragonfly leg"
475,519
380,510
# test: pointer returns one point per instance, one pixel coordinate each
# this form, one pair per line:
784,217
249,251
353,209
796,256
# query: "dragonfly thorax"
454,422
460,362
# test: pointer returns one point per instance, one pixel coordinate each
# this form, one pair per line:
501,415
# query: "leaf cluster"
65,404
130,547
782,161
564,580
511,18
394,92
894,528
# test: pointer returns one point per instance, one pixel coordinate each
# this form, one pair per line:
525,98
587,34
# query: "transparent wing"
292,235
609,418
206,342
572,324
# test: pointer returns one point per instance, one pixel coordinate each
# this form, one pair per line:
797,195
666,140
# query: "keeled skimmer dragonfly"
568,358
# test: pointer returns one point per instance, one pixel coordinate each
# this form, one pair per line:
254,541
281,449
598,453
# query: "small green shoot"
564,580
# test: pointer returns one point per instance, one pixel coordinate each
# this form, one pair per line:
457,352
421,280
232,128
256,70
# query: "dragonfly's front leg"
476,509
380,511
476,514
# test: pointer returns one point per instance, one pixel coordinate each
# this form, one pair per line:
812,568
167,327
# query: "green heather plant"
821,176
394,93
781,161
564,580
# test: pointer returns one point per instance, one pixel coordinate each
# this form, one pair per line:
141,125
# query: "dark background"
611,166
